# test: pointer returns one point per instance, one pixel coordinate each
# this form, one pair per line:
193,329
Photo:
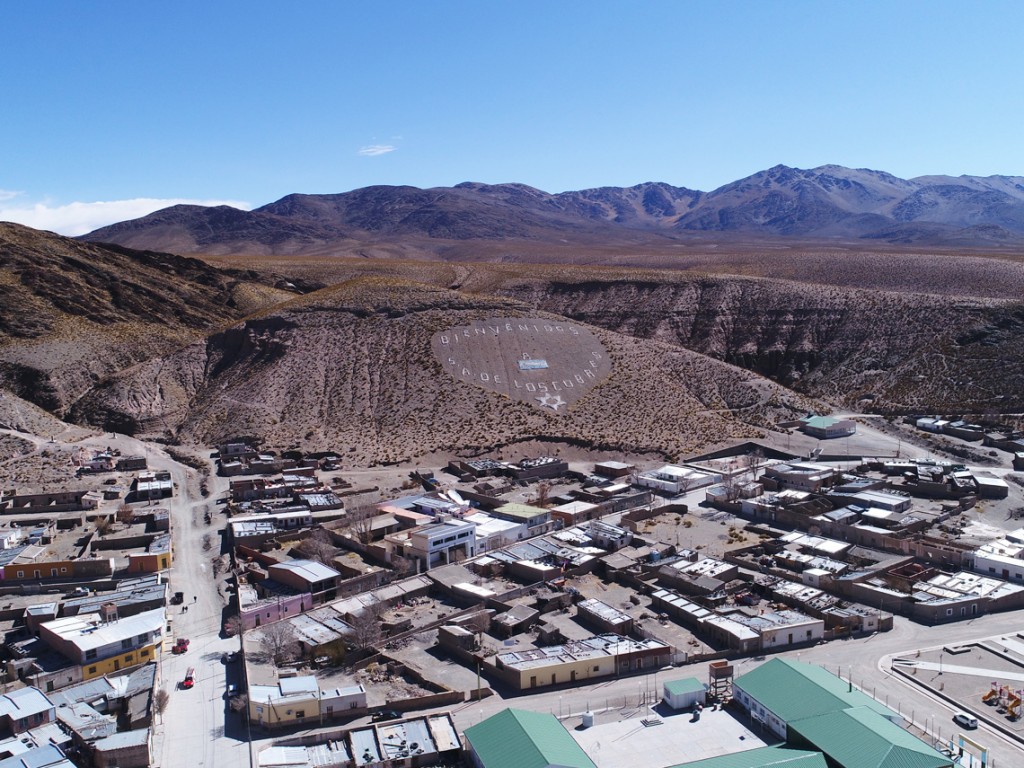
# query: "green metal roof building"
780,692
764,757
516,738
861,738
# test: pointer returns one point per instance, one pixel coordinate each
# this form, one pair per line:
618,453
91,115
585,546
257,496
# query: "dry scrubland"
74,313
351,367
893,332
179,349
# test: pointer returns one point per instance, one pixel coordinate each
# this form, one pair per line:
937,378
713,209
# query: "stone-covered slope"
74,312
882,351
351,368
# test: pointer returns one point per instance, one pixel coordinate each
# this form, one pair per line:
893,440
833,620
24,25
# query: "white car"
965,720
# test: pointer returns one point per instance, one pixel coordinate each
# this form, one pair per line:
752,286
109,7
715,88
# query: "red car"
190,678
180,646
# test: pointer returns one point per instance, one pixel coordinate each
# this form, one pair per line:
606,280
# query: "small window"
143,638
90,654
300,713
63,570
126,644
949,611
597,668
144,653
21,574
92,670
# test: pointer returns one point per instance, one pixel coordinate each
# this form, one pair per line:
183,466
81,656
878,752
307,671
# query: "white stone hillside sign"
540,362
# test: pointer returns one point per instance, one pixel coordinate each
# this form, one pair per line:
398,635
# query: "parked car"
177,598
190,679
180,646
965,720
385,714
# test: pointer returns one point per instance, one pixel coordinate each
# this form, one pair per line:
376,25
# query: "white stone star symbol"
551,401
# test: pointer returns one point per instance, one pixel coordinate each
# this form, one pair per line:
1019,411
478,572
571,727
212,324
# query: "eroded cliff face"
887,352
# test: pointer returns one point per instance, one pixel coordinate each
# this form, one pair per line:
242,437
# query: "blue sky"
113,109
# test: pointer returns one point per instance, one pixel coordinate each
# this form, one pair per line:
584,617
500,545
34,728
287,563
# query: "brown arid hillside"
351,368
74,312
878,351
893,333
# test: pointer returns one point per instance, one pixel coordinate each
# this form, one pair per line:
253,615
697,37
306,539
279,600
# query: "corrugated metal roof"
861,738
764,757
516,738
793,690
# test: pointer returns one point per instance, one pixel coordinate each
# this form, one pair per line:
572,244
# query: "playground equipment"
992,695
1013,708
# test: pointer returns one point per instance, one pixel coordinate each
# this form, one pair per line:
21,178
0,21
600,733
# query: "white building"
492,533
336,701
442,542
1003,557
673,479
891,502
801,475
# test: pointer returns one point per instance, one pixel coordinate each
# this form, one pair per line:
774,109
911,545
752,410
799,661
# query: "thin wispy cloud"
7,194
78,218
377,149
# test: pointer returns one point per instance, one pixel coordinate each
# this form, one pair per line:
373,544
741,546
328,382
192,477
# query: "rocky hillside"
350,367
75,312
875,350
890,334
826,203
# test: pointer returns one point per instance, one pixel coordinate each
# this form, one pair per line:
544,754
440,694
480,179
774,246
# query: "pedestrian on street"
195,598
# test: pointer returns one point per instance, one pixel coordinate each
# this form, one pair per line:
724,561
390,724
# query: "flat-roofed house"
292,701
306,576
24,709
104,647
443,542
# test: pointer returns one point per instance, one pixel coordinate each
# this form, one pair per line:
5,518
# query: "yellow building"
293,700
580,660
105,647
156,558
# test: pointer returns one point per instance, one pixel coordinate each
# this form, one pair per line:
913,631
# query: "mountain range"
830,203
